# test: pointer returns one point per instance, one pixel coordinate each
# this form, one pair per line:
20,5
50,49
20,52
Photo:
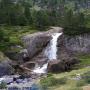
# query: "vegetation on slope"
84,60
19,16
44,13
73,80
11,35
67,81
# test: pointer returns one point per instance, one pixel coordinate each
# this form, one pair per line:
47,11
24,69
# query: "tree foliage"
73,15
44,13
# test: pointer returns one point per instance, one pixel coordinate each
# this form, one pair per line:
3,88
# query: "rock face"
5,66
36,42
78,44
62,52
65,59
63,65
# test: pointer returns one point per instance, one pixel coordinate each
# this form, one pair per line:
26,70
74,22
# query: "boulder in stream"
57,66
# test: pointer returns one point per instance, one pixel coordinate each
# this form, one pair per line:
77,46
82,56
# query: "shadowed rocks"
78,44
5,65
57,66
36,42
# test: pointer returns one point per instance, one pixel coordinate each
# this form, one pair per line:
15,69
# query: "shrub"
76,88
51,81
80,83
3,85
86,77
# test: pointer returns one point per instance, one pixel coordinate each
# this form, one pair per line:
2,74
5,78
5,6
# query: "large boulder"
6,68
65,59
62,65
36,42
78,43
18,54
5,65
62,51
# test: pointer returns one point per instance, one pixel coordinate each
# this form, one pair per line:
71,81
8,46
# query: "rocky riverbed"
19,82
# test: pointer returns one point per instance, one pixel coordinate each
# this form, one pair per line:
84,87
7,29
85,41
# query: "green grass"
69,83
2,57
14,34
67,77
84,60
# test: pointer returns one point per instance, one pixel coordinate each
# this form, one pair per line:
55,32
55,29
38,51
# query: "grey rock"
78,43
6,67
62,65
37,41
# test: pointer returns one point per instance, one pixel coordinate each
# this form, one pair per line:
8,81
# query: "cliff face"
73,44
36,42
78,44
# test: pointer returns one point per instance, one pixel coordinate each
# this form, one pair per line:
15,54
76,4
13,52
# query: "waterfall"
50,53
42,69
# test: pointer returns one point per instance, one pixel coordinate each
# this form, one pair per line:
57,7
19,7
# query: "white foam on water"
41,69
51,51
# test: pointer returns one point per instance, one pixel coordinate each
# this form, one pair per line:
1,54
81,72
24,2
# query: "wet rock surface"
35,43
62,65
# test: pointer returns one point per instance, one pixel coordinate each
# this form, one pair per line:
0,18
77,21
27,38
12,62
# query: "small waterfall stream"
42,69
50,53
51,50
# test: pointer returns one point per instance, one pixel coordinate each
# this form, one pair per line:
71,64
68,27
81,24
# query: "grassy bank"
67,80
73,80
84,60
11,35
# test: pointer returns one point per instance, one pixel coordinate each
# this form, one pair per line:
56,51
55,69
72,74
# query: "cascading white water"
42,69
50,52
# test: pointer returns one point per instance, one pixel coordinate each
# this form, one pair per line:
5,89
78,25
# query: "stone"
78,43
57,66
36,42
6,67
